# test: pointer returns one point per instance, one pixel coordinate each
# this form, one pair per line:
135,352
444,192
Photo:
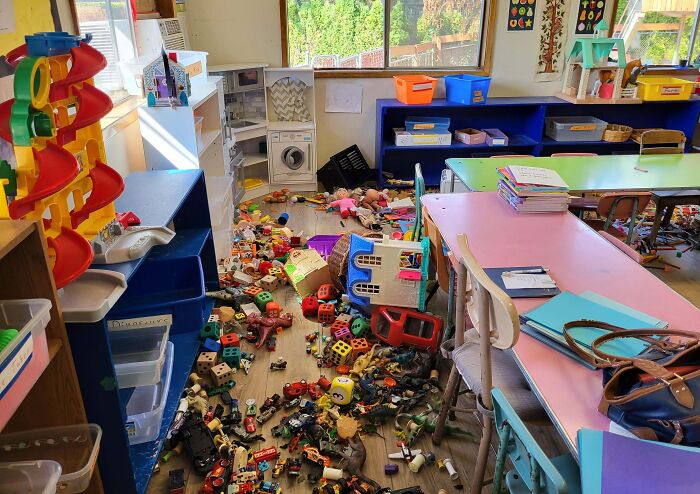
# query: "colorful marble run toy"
53,122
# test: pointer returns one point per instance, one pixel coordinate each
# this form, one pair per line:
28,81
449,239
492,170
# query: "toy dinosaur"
264,326
362,362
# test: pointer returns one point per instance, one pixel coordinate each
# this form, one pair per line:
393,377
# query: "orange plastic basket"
415,89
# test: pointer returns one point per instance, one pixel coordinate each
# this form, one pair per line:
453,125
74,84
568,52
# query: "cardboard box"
406,138
307,271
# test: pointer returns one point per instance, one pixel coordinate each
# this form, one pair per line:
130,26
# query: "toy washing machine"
292,156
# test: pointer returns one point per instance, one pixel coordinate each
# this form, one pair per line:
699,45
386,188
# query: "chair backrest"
420,192
533,466
658,141
563,155
512,156
437,253
491,310
622,205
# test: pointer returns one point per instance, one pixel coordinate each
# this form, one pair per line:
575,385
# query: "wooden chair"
658,141
533,471
495,325
620,206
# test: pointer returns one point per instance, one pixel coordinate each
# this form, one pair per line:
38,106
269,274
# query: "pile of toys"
377,373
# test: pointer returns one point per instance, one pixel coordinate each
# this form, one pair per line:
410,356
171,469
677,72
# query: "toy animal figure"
633,69
264,326
362,362
346,204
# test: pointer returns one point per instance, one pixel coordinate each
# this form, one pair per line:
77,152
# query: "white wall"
124,147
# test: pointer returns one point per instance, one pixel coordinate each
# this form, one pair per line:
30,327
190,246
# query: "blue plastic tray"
428,124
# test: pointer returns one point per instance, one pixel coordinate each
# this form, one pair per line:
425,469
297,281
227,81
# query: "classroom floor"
261,383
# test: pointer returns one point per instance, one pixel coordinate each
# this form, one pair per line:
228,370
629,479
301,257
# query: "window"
659,32
110,23
365,289
385,34
367,260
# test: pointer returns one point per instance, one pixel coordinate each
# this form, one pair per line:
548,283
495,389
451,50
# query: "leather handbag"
655,395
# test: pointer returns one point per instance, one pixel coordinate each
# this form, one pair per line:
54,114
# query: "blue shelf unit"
523,120
159,198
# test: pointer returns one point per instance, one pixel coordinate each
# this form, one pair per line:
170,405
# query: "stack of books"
530,189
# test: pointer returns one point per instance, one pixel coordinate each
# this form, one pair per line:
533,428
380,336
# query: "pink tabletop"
579,259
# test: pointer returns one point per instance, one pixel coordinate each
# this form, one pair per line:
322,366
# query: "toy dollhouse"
155,83
388,272
590,76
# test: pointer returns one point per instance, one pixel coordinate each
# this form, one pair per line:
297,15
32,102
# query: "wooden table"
579,259
590,173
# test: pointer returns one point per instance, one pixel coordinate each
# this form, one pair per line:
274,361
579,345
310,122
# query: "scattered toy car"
279,467
249,423
295,390
312,454
251,407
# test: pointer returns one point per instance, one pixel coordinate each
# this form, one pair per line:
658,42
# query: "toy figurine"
371,200
264,326
346,204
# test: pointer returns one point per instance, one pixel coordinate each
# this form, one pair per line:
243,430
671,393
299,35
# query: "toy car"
281,364
279,468
266,415
176,481
312,454
293,467
315,391
269,488
294,390
249,423
199,443
272,401
216,479
251,407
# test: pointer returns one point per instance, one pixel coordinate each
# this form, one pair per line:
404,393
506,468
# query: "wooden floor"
261,383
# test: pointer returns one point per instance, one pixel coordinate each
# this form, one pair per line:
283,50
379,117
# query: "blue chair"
534,472
419,184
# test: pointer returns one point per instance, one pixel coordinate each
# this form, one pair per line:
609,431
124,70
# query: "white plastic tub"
138,348
29,477
145,407
445,183
26,355
74,447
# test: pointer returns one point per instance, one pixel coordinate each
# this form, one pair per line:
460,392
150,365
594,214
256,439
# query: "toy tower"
53,122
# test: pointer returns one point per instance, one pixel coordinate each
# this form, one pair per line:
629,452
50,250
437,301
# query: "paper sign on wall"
343,98
521,15
590,12
7,17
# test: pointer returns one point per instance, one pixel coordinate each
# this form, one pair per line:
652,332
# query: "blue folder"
495,275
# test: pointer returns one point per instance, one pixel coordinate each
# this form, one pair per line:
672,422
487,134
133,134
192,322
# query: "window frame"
487,44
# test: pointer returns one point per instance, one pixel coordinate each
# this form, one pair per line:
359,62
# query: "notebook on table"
496,274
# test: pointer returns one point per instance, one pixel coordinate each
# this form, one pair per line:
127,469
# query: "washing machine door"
293,157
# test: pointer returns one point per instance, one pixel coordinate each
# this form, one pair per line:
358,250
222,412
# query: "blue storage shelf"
522,119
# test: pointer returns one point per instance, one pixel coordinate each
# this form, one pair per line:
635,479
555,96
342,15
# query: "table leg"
657,224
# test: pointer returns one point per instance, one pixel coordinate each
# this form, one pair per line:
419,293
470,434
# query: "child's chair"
533,471
620,206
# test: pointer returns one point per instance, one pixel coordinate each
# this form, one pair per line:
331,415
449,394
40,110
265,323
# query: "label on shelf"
15,364
140,322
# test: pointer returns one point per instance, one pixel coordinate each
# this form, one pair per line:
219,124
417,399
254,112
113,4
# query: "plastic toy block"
327,292
232,356
326,313
253,291
211,345
342,334
210,329
239,317
269,283
309,306
230,340
277,273
359,327
360,346
341,353
249,309
338,325
344,318
261,300
273,309
205,362
221,374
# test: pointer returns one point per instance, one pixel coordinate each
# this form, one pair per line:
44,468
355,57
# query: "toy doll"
344,202
371,200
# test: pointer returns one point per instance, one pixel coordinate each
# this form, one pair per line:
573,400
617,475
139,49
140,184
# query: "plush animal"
633,69
346,204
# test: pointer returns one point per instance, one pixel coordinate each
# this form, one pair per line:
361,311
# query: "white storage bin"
220,198
145,407
29,477
222,242
74,447
445,183
138,348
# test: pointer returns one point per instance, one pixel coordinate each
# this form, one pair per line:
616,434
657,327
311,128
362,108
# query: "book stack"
546,324
530,189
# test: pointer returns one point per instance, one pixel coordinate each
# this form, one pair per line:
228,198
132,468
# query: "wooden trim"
613,13
74,14
487,46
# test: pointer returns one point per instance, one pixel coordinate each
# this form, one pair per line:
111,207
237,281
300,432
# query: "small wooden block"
205,362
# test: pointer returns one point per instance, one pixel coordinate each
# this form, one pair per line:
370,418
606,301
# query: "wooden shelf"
254,159
55,346
208,138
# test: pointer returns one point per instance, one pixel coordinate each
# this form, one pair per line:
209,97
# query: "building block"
277,273
343,334
326,313
221,374
344,318
269,283
249,309
338,325
359,327
205,362
253,290
211,345
360,346
341,353
261,300
242,278
327,292
232,356
211,328
309,306
226,314
230,340
239,317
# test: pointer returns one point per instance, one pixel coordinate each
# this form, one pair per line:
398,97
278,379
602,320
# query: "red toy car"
249,423
311,454
295,390
315,391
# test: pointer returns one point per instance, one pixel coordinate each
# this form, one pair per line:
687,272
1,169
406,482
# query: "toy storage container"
415,89
467,89
579,128
429,124
347,169
445,179
661,88
495,137
24,355
323,244
471,137
29,477
145,407
73,447
221,209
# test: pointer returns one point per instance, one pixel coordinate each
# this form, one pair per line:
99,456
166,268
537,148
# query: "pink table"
579,260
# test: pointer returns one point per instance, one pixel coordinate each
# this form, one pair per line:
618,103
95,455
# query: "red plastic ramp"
107,185
5,113
14,56
87,61
93,104
73,256
57,168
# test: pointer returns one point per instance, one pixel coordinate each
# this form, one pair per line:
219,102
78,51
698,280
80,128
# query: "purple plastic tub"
323,244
